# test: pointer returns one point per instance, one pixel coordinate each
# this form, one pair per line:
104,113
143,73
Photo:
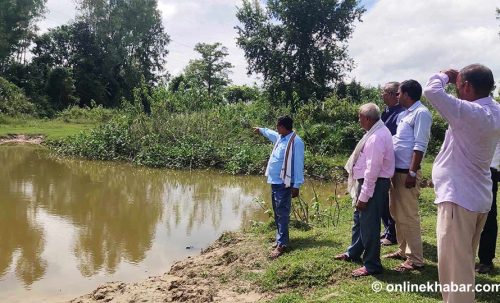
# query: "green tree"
241,93
17,27
211,72
71,47
60,88
298,46
177,83
133,41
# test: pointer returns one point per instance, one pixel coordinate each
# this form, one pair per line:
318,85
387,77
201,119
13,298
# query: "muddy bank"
213,276
21,139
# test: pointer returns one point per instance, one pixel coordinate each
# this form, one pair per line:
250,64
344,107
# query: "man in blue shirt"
390,118
391,112
285,173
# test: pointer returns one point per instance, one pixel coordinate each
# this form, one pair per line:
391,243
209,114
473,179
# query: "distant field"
51,129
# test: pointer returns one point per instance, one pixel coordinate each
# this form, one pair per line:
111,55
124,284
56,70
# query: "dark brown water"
67,226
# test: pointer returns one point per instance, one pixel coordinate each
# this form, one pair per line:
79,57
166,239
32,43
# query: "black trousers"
488,241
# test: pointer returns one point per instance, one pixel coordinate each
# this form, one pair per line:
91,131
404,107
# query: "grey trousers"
366,228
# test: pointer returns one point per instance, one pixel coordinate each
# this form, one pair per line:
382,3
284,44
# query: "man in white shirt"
461,172
410,144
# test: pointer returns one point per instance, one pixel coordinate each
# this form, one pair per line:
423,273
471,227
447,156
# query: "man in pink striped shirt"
461,171
370,168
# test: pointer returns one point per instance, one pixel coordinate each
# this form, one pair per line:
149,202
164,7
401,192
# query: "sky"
396,40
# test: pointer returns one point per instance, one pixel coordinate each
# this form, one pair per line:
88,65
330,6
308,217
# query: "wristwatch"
412,174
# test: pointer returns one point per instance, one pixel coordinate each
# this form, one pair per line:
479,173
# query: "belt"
363,179
404,170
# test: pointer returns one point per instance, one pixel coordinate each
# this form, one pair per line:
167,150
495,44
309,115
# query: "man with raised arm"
461,171
285,173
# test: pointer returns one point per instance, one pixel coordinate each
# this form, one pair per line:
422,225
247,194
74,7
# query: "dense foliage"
12,100
209,135
17,28
107,67
101,56
298,46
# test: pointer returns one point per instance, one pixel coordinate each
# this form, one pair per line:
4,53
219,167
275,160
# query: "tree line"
298,46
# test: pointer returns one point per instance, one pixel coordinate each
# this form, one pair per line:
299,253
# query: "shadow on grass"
430,274
312,242
430,252
491,296
427,274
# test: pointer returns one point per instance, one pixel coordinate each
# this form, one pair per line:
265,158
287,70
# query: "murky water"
67,226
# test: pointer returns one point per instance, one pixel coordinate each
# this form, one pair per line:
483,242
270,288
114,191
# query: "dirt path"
21,139
213,276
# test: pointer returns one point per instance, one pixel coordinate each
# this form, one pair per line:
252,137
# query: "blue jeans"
281,198
366,228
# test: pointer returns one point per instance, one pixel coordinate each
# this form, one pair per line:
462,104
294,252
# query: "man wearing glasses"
390,117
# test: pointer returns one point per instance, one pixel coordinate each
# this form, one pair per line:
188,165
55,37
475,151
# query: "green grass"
308,273
50,129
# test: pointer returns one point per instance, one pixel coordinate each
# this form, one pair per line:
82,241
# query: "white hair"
370,110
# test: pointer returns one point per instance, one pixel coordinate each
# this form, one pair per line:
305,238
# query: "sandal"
484,268
342,257
387,242
360,272
408,266
275,253
395,255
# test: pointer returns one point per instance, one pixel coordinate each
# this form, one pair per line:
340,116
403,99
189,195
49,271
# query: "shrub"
13,101
438,130
76,114
243,93
111,141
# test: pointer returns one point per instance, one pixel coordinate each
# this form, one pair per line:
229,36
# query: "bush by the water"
174,133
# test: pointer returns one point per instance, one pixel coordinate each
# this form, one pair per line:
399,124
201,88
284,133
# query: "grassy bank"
67,123
236,269
308,272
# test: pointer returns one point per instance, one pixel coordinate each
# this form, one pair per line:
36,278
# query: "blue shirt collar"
283,137
414,106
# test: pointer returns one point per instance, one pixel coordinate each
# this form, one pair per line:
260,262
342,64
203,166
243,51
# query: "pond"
67,226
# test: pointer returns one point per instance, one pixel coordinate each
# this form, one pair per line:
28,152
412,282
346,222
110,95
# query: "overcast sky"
397,40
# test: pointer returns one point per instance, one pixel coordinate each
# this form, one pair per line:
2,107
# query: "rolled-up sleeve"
269,134
422,130
374,151
298,163
455,111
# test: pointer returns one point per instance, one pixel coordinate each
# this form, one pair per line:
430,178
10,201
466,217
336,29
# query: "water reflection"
91,222
21,237
67,226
